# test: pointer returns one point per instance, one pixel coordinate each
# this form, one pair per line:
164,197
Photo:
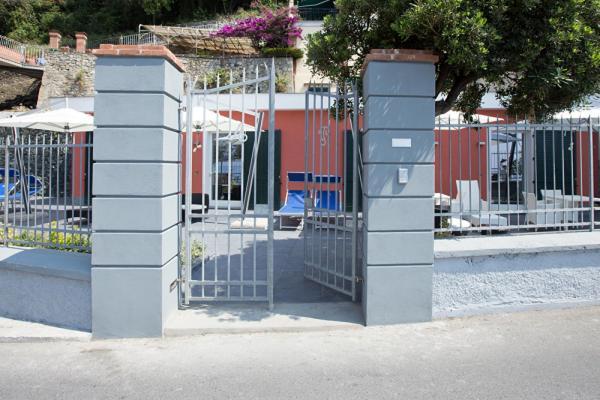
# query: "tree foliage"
539,56
30,20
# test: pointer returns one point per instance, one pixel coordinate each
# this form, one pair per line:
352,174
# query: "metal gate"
228,234
331,187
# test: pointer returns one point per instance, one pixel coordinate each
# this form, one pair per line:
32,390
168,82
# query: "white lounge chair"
556,199
538,212
549,196
473,208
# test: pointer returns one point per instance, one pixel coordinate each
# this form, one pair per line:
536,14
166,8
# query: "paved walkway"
535,355
246,252
12,330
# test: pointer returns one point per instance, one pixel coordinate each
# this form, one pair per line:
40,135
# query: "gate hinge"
174,284
358,279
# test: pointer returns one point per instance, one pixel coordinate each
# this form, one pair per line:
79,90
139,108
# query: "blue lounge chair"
327,198
34,186
7,186
294,199
327,179
11,187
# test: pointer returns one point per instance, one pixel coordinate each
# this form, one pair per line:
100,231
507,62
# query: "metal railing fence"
140,38
500,174
207,25
315,13
20,53
233,219
145,37
45,189
331,190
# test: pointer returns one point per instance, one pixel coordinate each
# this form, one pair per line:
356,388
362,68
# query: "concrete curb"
18,331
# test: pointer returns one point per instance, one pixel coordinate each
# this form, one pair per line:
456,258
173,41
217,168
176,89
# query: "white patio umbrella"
211,121
580,117
61,120
458,117
580,114
455,120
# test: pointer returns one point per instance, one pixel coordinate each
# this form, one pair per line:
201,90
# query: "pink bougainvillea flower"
273,28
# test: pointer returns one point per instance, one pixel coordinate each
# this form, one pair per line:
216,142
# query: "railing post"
398,154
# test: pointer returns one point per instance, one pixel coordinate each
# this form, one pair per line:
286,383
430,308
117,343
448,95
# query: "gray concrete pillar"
136,207
398,146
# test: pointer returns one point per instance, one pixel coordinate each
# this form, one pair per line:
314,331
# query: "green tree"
539,56
156,7
29,20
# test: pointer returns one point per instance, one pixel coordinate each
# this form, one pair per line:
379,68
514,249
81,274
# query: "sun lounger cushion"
294,204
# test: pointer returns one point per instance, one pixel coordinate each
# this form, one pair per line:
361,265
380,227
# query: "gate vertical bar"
591,171
271,180
6,191
188,190
355,145
306,163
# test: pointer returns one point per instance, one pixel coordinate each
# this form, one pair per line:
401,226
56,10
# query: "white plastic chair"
556,199
550,195
538,212
473,208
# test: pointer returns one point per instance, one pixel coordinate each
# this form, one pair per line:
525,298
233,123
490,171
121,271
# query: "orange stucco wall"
291,123
468,144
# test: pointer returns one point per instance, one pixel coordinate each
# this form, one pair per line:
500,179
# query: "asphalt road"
533,355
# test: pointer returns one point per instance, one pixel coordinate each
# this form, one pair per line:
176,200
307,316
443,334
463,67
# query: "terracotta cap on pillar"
124,50
80,42
54,39
400,55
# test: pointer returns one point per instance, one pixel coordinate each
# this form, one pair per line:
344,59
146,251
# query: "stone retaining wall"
67,74
72,74
201,67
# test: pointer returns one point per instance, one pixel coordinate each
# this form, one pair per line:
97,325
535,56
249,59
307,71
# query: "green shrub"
54,240
197,251
222,75
293,52
444,223
281,83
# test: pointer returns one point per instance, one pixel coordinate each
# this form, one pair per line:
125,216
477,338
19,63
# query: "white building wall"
302,74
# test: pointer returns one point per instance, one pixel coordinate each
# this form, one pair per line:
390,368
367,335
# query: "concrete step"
285,317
